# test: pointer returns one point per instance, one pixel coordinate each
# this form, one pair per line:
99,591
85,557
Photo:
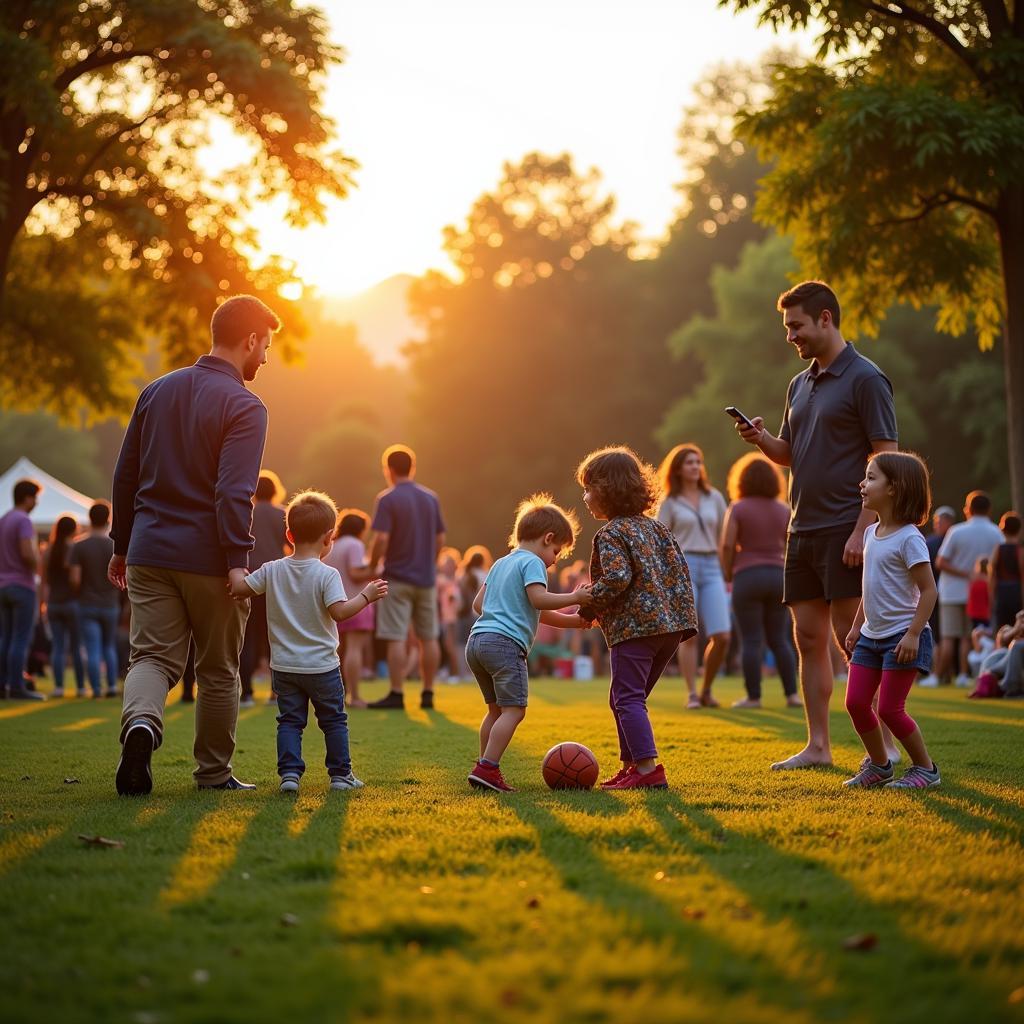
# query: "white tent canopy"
56,499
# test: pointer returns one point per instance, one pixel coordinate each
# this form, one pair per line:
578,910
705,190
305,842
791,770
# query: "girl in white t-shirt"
348,556
890,641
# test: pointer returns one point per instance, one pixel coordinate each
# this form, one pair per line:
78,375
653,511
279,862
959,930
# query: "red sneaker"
635,780
618,776
483,776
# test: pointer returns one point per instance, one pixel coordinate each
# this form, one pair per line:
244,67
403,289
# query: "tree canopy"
112,232
898,165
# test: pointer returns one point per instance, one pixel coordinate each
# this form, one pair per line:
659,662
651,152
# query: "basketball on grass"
569,766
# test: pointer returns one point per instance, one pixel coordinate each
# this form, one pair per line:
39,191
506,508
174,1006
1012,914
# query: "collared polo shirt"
832,417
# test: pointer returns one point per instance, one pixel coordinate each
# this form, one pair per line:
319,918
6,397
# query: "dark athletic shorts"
814,567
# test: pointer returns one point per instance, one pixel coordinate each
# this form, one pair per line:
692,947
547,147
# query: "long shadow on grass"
641,915
930,984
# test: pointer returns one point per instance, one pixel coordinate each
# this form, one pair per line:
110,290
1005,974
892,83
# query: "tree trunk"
1011,241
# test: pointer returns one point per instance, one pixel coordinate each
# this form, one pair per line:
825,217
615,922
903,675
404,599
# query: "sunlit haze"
433,98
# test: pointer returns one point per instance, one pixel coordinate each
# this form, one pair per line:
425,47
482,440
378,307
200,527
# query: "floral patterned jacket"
641,583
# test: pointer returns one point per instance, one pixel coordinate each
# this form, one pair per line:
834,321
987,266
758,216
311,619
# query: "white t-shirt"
303,636
963,545
890,593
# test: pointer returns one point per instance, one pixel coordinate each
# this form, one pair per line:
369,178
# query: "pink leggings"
895,685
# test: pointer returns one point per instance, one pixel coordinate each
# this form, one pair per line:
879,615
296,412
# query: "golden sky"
434,97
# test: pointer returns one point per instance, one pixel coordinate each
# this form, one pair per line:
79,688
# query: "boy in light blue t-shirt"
512,602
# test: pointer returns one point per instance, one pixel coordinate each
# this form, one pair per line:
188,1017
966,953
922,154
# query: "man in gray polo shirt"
838,411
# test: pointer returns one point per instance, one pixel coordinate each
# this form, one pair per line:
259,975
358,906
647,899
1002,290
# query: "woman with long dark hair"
694,511
753,557
62,607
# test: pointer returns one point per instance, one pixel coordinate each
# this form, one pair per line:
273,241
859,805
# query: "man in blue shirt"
182,506
408,535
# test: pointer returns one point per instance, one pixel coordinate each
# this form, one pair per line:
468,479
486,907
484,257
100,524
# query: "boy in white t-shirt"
305,598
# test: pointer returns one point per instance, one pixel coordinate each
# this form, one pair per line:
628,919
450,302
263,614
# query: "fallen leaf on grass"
289,920
101,841
1016,996
533,902
69,781
861,943
426,889
694,913
510,997
26,778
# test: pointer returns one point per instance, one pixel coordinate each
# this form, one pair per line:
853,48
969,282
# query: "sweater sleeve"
616,570
126,485
238,471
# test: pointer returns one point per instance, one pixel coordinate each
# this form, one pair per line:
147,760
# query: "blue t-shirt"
507,609
411,517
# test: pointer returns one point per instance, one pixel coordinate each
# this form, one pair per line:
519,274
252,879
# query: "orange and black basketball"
569,766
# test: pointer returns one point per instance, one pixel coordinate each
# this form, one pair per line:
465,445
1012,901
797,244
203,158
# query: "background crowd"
59,611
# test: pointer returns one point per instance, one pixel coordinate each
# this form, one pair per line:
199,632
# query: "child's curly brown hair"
620,481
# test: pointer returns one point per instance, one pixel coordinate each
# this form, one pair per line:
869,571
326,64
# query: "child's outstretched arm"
564,621
342,610
538,596
238,586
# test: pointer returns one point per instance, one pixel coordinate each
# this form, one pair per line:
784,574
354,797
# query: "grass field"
731,897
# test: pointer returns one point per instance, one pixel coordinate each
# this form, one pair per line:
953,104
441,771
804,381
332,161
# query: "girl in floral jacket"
641,598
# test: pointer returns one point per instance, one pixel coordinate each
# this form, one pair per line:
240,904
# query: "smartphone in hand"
737,415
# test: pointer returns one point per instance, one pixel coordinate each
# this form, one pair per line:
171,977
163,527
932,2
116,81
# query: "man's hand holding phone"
750,429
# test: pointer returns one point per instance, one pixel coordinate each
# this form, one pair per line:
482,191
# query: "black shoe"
20,693
232,783
393,700
427,700
134,776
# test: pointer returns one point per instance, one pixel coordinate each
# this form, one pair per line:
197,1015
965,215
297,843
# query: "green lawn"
730,897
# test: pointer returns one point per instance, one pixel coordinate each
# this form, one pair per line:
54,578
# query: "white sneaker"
289,783
345,782
247,702
930,681
58,691
964,681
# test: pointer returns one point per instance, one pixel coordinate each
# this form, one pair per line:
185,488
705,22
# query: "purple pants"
636,666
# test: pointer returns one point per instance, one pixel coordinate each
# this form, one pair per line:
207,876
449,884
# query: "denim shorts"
881,654
499,664
709,595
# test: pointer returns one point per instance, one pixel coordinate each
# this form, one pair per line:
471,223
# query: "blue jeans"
295,691
99,631
763,618
17,618
65,628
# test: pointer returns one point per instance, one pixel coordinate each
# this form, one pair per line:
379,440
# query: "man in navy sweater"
182,521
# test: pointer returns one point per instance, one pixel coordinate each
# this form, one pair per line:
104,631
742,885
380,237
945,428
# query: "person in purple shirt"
182,531
408,535
19,564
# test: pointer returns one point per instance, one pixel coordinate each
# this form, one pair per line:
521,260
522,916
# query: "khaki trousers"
167,607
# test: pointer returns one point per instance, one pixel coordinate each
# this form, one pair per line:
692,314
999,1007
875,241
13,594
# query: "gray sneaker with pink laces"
916,777
871,776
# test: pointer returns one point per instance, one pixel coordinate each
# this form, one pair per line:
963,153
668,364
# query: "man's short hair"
399,459
99,513
978,503
813,297
1010,524
238,317
25,489
311,514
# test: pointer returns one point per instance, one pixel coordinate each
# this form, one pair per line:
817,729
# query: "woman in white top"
694,511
